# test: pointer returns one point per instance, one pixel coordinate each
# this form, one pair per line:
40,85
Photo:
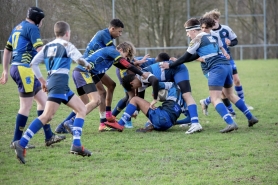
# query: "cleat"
147,128
249,107
60,129
80,150
20,152
233,115
204,107
27,147
68,125
104,128
195,127
229,128
252,121
128,124
115,125
111,119
54,139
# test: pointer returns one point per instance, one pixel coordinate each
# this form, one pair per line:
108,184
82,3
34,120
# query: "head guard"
35,14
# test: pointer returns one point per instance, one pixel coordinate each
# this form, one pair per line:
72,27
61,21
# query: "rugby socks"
20,123
108,113
47,130
242,107
77,131
221,109
119,107
192,109
239,91
228,105
71,115
130,109
102,117
207,101
33,128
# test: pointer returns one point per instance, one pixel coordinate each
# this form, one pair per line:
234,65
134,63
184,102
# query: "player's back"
103,59
23,40
100,40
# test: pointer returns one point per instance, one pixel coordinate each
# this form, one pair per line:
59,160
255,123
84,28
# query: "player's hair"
129,48
163,57
126,81
192,23
209,22
60,28
117,23
35,14
214,14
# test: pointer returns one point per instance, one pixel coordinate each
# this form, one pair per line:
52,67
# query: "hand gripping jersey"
149,61
23,42
100,40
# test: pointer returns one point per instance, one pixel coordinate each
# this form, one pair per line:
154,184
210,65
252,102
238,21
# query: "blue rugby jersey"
225,32
23,42
206,47
100,40
102,60
149,61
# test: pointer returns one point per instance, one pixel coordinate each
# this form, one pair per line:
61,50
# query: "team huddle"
167,76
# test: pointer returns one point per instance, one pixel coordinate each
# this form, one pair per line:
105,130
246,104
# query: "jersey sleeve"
232,34
9,45
194,45
35,37
73,52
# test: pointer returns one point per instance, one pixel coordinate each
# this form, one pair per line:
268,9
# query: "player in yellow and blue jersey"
23,44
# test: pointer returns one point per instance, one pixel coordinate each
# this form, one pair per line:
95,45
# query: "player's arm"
76,56
154,83
122,63
232,42
6,60
187,57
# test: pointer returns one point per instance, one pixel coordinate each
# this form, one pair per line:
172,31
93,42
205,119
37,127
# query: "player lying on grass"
140,62
162,117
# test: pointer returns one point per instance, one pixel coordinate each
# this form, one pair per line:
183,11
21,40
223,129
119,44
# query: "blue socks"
130,109
34,127
20,123
239,91
192,109
119,107
221,109
77,131
47,129
242,107
207,101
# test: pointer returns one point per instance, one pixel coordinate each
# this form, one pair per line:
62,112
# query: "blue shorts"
180,73
81,78
24,78
220,75
160,119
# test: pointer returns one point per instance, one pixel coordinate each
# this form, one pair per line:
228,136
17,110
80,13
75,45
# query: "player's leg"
181,78
135,102
239,103
216,81
111,85
205,102
79,107
228,105
34,127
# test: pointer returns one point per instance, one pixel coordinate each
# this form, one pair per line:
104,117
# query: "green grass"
248,156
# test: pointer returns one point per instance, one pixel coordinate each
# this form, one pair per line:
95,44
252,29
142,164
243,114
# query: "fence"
237,51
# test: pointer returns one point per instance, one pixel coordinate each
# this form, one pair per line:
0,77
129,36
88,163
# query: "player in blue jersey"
57,56
101,39
102,60
218,69
229,39
207,25
161,118
141,62
23,44
180,76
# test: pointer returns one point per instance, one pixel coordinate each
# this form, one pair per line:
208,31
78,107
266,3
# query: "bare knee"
112,86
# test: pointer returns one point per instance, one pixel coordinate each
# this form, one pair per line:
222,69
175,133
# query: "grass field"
248,156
